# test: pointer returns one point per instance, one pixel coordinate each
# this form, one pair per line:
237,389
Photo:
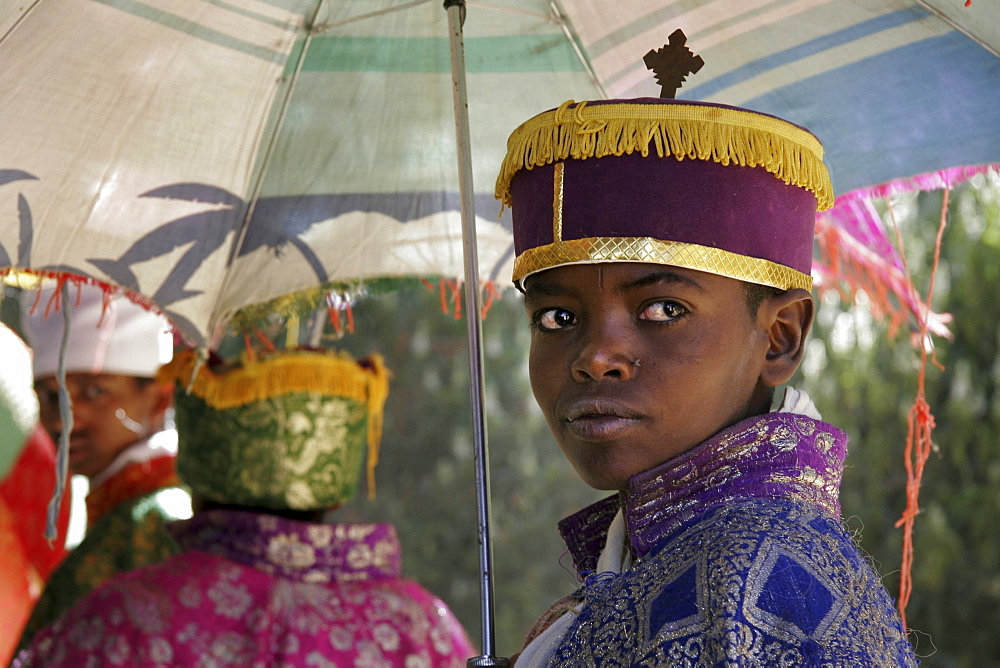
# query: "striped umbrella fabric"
894,88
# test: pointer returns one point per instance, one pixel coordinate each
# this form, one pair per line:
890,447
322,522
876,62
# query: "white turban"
113,336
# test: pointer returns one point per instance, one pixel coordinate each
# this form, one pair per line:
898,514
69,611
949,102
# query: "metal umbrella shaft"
456,17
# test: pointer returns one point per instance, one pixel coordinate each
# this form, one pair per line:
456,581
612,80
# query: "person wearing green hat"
269,447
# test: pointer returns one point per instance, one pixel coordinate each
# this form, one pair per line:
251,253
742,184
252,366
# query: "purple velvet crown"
708,187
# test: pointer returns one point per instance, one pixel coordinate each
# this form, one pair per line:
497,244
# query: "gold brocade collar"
776,456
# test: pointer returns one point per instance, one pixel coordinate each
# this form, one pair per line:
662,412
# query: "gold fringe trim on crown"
699,132
332,375
655,251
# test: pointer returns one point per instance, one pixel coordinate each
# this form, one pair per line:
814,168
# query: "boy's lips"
599,419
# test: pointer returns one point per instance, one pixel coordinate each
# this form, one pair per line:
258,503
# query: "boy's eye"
554,318
663,311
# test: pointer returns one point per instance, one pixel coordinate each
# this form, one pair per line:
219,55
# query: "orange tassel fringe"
920,427
450,290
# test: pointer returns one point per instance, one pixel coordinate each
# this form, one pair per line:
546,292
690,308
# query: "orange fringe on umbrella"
450,290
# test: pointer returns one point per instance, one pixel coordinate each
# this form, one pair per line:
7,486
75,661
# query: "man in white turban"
110,423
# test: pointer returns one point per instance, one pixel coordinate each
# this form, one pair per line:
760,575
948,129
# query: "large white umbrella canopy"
211,156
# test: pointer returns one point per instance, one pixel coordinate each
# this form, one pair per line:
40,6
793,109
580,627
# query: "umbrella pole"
456,17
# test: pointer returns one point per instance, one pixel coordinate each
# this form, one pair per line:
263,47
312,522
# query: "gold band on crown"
647,249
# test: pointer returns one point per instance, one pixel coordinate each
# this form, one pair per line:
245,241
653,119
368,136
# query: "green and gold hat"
285,431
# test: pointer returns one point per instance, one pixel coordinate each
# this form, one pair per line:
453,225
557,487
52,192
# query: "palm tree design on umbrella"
25,229
207,231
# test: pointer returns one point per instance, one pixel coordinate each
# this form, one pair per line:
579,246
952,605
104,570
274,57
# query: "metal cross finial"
672,63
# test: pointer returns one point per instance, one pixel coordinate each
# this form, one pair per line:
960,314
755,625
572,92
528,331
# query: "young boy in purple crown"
664,251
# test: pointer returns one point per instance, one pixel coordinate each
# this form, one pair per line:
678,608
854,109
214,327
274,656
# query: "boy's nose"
604,356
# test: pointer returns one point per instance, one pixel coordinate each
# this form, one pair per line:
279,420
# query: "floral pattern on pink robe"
258,590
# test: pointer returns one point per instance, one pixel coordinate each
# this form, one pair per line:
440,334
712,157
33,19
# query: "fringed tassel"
333,313
920,427
726,136
248,346
267,343
378,392
335,305
442,285
331,375
450,293
456,298
492,295
292,324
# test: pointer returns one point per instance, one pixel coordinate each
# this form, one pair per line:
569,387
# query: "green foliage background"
858,378
865,383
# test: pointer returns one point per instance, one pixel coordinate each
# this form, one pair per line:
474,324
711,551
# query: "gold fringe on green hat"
683,131
330,374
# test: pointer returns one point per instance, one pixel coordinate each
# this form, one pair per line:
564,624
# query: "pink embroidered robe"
258,590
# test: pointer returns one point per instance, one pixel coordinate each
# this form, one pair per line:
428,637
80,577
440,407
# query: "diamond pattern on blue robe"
677,605
792,596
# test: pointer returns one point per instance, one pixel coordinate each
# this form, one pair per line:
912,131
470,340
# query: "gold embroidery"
360,557
734,550
299,451
321,535
356,532
647,249
287,550
558,175
783,440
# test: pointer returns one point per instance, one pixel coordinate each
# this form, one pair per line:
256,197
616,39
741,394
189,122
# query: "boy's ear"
787,318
